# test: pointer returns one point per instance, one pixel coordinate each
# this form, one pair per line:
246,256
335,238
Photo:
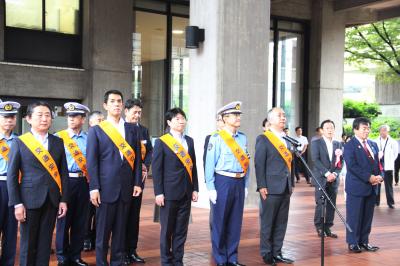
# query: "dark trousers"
300,168
396,169
91,225
274,213
174,219
70,230
331,190
8,228
227,216
388,181
359,214
132,232
36,235
111,218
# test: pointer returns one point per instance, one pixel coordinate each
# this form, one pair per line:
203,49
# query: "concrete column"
231,64
326,66
2,29
107,49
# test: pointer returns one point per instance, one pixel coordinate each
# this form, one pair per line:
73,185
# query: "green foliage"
376,43
394,125
353,109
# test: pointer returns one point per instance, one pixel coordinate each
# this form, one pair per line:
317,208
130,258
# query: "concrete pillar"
326,66
2,28
107,49
231,64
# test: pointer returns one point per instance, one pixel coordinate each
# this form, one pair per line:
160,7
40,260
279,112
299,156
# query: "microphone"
292,141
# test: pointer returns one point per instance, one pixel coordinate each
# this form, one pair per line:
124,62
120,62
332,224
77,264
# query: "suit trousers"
8,228
91,225
132,232
388,181
331,189
111,219
174,220
227,216
359,214
70,230
36,235
274,213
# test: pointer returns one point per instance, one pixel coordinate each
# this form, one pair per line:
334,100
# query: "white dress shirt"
280,135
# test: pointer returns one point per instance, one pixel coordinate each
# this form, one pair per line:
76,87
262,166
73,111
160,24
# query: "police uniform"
70,230
8,223
225,175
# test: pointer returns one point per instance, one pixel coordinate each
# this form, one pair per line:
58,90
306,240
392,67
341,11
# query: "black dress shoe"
368,247
235,264
329,233
280,258
78,262
391,206
87,245
354,249
135,258
269,259
319,232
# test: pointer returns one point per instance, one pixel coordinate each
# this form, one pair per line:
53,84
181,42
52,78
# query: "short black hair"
93,113
297,128
264,121
327,121
361,121
133,102
32,106
171,113
107,94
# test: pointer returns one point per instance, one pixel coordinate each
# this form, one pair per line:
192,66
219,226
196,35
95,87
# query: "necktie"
366,149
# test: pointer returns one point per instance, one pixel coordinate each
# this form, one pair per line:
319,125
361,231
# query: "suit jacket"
108,173
360,167
271,170
36,183
322,163
144,135
169,174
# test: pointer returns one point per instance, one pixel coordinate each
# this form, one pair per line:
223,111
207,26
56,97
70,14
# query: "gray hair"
385,127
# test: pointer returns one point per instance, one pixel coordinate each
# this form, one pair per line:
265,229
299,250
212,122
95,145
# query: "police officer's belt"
43,156
3,178
231,174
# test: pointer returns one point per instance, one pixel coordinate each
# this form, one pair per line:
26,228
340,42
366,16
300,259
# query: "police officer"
71,231
227,179
8,223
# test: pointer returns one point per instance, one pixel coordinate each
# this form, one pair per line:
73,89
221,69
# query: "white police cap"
74,108
230,108
9,108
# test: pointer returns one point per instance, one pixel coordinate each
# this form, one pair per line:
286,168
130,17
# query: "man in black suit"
175,186
133,114
275,182
326,155
42,192
115,170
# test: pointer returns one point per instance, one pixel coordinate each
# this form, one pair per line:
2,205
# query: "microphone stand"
324,197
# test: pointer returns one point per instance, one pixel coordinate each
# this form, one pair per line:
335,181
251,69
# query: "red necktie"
366,150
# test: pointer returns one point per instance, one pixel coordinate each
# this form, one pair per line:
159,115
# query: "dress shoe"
269,259
368,247
329,233
78,262
396,184
235,264
135,258
354,249
391,206
87,245
280,258
319,232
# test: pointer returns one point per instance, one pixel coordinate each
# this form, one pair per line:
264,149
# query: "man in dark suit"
275,182
43,190
175,186
133,114
362,178
326,155
115,170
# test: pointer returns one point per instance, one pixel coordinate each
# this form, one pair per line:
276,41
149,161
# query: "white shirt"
280,135
180,137
44,141
121,129
329,146
302,140
390,148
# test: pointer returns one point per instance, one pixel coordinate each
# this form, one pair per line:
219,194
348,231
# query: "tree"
353,109
377,43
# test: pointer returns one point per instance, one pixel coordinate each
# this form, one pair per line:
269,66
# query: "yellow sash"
43,156
4,149
119,141
74,150
281,148
143,149
237,151
180,152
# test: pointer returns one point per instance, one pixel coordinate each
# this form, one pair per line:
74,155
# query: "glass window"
148,67
179,65
62,16
25,14
290,26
